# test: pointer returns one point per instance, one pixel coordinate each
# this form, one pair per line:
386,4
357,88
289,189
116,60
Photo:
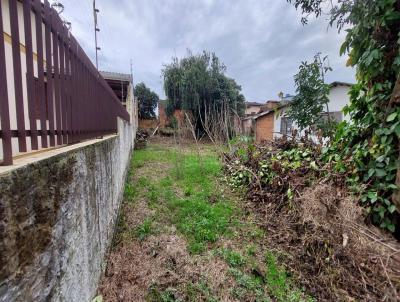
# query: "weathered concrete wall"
57,217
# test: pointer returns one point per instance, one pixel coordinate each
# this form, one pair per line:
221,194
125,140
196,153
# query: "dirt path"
183,236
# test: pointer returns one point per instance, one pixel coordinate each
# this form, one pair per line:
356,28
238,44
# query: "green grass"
196,217
144,230
234,259
199,212
188,196
252,283
129,192
279,284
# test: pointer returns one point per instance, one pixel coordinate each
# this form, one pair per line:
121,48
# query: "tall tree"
311,98
370,143
198,83
148,101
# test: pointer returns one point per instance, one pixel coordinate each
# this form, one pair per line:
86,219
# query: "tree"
148,101
198,83
369,145
311,96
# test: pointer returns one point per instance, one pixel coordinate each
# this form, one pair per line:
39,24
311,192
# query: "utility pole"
96,29
131,73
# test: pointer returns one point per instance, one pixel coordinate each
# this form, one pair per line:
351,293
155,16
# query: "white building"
338,99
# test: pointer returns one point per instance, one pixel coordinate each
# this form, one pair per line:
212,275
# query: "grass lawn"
179,216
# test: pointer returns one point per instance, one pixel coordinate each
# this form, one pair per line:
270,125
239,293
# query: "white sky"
262,42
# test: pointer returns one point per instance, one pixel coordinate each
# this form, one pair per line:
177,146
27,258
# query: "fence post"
29,74
16,54
4,108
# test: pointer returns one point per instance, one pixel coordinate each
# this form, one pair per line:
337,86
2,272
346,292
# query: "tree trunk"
394,102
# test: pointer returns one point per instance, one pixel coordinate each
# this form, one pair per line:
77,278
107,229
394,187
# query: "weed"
143,182
129,192
153,194
248,286
144,230
234,259
278,283
251,250
157,295
199,292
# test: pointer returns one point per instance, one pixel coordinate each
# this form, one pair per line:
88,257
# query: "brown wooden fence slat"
68,89
76,81
72,89
57,102
41,87
63,97
16,54
4,107
49,71
29,75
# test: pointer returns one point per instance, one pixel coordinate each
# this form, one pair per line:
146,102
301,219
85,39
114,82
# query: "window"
286,126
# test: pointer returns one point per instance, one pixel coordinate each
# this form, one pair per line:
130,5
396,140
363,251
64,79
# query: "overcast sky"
262,42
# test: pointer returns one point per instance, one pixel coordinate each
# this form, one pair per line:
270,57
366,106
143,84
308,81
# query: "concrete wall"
57,215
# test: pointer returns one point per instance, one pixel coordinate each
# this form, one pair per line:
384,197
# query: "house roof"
266,112
116,76
282,105
254,104
338,83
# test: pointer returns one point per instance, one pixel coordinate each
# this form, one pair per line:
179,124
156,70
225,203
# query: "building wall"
264,127
252,110
57,218
248,126
338,98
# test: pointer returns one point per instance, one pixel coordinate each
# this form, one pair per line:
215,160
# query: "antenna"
96,29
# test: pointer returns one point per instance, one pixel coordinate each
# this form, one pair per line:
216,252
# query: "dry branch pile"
142,136
313,220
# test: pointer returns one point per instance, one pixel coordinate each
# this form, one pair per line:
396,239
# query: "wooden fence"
50,92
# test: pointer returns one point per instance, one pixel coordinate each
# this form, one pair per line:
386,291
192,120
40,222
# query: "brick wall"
265,127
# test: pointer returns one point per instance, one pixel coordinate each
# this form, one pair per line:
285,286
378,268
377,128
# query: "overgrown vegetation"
304,203
184,196
368,146
198,84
